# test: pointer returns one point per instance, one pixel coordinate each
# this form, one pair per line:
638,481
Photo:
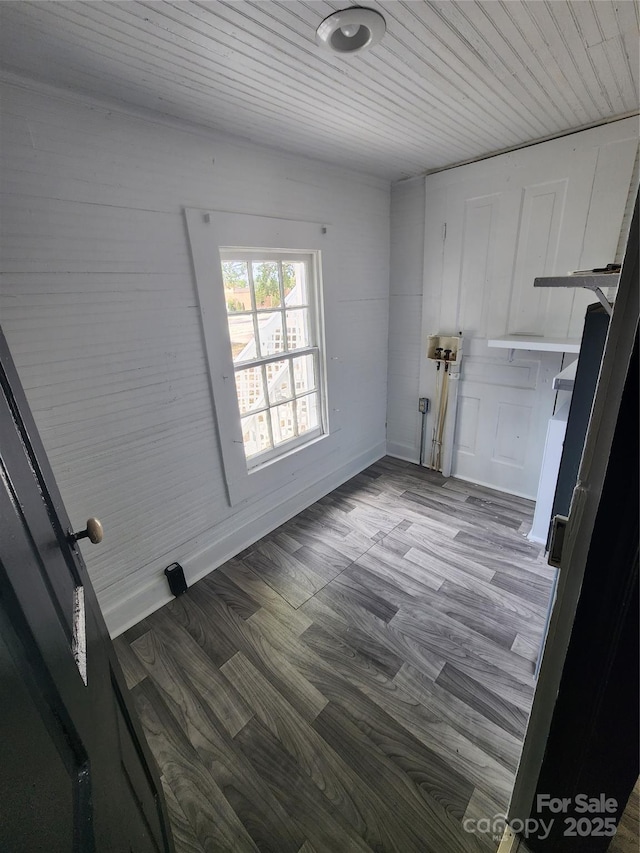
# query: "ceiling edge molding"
498,153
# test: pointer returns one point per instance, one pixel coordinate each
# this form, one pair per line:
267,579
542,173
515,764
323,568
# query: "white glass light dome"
351,30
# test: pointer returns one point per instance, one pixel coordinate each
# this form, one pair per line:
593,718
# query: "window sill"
296,447
276,473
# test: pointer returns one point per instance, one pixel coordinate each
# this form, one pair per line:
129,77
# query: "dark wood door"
75,771
593,744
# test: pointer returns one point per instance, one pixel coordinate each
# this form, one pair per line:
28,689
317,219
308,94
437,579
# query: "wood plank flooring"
627,838
358,680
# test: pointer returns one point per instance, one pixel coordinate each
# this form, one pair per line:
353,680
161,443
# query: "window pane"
294,279
298,328
255,434
282,423
236,286
250,389
243,345
308,415
266,284
271,335
304,373
278,381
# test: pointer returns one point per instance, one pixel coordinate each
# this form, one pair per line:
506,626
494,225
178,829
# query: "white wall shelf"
536,342
590,280
565,380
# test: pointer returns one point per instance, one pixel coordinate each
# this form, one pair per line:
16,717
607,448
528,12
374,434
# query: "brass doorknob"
93,532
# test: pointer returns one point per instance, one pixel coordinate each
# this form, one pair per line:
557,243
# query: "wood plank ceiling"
450,81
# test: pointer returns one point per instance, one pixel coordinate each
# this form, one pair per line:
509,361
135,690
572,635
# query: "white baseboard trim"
494,487
403,451
407,454
537,539
124,614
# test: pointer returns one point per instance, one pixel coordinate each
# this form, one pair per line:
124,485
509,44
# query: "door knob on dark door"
93,532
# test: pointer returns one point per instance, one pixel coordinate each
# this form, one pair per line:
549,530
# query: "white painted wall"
542,210
405,318
99,307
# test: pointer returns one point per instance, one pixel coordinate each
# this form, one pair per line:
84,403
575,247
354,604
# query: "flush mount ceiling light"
351,31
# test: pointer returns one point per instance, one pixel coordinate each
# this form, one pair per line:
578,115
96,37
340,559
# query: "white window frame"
209,233
311,261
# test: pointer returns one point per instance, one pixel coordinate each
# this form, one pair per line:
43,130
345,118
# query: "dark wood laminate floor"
358,680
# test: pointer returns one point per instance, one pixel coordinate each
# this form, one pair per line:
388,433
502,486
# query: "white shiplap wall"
405,318
99,307
481,297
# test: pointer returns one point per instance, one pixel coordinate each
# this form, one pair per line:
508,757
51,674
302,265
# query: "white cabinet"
556,430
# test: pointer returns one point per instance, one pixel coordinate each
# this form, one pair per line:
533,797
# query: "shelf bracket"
608,306
590,280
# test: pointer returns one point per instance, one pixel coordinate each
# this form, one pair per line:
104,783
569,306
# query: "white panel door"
491,228
542,209
503,407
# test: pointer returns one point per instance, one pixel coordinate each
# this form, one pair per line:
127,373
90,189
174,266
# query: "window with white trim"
271,299
259,285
